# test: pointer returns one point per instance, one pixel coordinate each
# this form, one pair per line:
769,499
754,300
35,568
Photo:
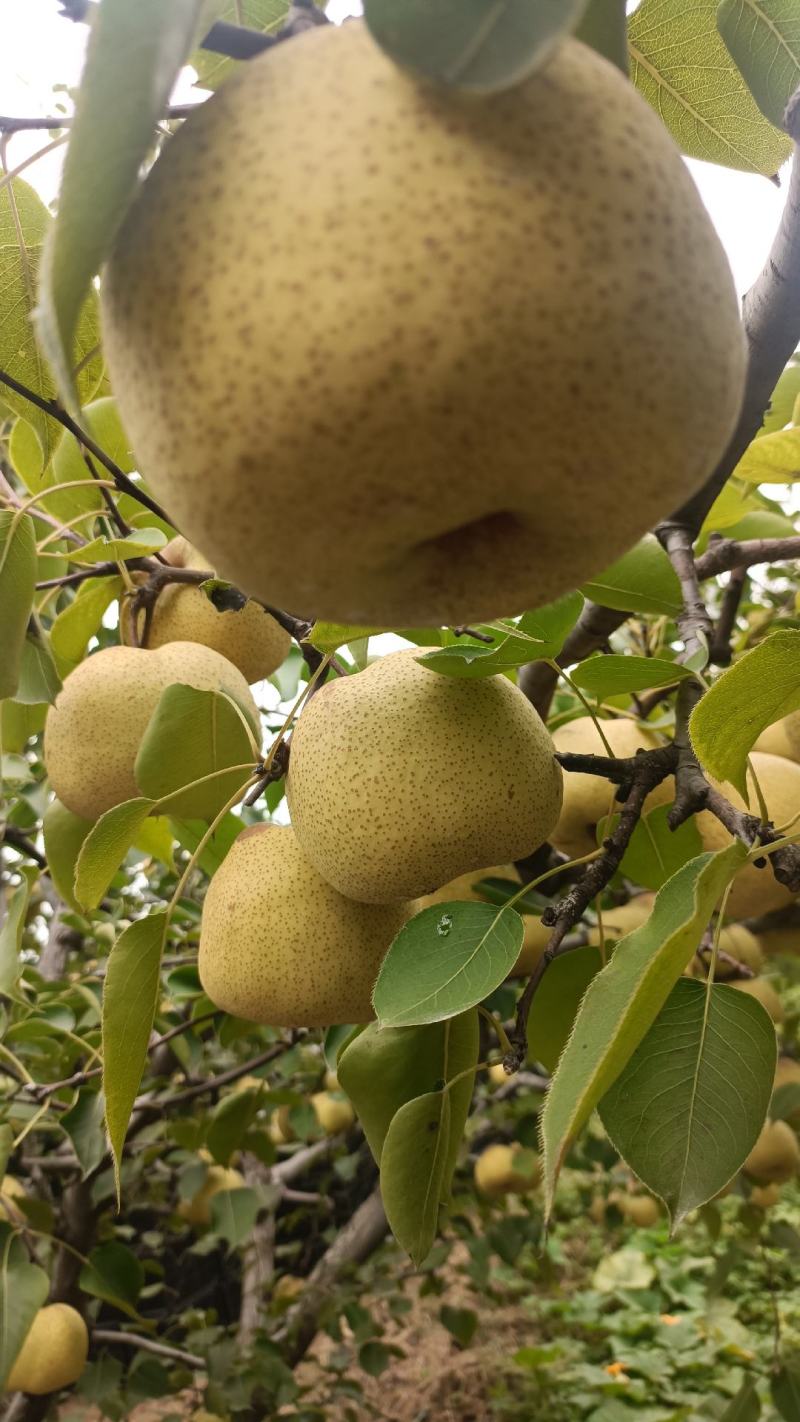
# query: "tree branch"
538,680
720,649
148,1345
28,125
723,555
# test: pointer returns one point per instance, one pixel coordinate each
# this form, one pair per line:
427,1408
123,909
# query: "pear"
623,918
504,1170
249,637
334,1113
53,1354
640,1210
497,1074
401,779
281,1131
197,1211
286,1289
775,1157
507,344
94,730
11,1191
776,740
330,1081
589,798
738,942
765,1196
763,991
464,890
757,891
279,946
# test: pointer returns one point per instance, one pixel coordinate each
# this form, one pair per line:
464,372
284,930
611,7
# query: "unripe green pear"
248,636
334,1113
503,1170
279,946
197,1211
757,891
94,730
590,798
510,310
401,779
53,1354
775,1157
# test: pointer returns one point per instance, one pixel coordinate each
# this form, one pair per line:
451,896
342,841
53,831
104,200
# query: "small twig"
28,125
651,767
694,623
724,554
79,1078
56,412
14,837
212,1084
148,1345
472,632
277,770
720,650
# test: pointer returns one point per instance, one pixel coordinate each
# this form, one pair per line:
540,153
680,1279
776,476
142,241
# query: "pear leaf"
413,1163
130,997
17,588
105,847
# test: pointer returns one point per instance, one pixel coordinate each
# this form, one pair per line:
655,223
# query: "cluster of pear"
462,420
95,729
399,781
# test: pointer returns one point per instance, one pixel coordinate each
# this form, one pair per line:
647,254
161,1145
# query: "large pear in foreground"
53,1354
94,730
467,349
401,779
279,946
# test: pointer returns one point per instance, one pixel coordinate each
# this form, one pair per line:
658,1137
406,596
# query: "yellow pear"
281,1131
504,311
623,918
764,992
279,946
757,891
197,1211
775,740
737,942
378,788
497,1074
590,798
765,1196
775,1157
464,890
249,637
334,1113
497,1171
641,1210
11,1191
94,730
53,1354
787,1072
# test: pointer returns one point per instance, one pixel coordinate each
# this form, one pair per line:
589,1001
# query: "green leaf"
616,675
24,223
679,63
374,1357
17,588
330,636
114,1274
233,1215
75,626
133,57
746,1406
603,28
84,1123
471,44
642,580
261,15
412,1171
688,1108
129,1004
785,1389
6,1146
556,1003
155,839
18,724
192,734
385,1067
772,458
336,1038
785,1103
461,1322
104,550
101,420
784,397
626,997
12,930
105,847
23,1290
229,1123
655,852
763,37
64,834
38,678
446,959
537,635
755,692
190,832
